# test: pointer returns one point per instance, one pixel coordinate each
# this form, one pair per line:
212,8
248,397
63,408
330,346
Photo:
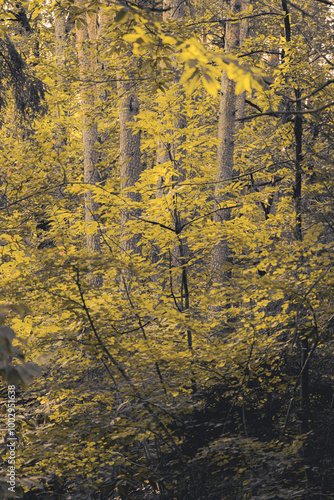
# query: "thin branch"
276,114
241,18
97,336
207,215
179,230
293,5
253,105
329,82
171,283
304,367
275,52
326,2
36,193
141,327
155,223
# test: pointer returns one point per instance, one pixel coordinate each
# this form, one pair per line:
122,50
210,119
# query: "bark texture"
60,135
244,30
60,39
173,10
60,43
130,157
86,35
230,106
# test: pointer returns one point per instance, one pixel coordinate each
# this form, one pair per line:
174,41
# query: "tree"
230,109
130,160
86,33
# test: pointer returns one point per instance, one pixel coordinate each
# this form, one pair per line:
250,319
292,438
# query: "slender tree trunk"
229,104
304,361
130,157
174,11
60,42
298,133
304,353
244,29
60,135
86,34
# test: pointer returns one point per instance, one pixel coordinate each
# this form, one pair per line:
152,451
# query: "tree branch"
276,114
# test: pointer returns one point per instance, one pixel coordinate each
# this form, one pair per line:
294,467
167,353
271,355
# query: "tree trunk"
174,11
60,42
130,157
241,99
298,133
86,33
60,135
229,104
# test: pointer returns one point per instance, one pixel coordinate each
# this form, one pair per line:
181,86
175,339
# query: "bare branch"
276,114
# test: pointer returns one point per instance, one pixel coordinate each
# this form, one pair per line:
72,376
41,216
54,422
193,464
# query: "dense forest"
166,249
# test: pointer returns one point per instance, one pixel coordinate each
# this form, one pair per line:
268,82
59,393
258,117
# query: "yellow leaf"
187,75
239,88
210,85
192,83
169,40
131,37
